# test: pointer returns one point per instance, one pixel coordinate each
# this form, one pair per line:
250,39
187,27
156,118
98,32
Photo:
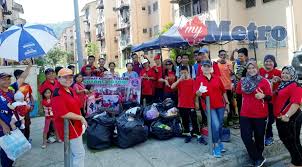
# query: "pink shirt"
82,95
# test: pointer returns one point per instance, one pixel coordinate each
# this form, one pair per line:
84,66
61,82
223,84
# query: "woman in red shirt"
169,79
148,78
256,93
270,72
287,102
159,86
218,99
79,87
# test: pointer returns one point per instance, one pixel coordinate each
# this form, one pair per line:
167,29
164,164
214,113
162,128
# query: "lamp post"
78,33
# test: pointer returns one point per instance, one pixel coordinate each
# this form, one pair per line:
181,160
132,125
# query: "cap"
203,50
157,57
65,72
4,75
196,51
207,62
145,61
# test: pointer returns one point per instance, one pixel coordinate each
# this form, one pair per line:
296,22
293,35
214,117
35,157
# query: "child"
46,103
91,100
186,100
81,91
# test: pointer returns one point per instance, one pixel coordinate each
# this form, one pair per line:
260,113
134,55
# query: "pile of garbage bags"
134,125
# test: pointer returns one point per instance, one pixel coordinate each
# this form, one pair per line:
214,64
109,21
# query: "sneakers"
260,163
188,139
51,140
201,140
221,146
217,152
269,141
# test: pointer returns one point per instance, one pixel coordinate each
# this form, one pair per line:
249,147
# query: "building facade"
67,41
284,13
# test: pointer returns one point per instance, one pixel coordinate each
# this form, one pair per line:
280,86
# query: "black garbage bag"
100,132
168,104
127,105
161,130
130,131
172,113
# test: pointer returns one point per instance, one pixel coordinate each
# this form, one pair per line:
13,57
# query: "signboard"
109,93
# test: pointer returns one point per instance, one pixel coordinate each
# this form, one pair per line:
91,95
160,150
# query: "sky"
49,11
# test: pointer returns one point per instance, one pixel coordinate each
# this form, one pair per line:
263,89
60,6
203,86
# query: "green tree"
56,57
166,28
92,49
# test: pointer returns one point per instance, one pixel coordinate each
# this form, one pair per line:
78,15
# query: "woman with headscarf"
287,102
270,72
256,93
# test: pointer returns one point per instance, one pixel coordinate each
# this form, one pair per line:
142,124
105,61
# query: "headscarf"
293,74
271,57
250,83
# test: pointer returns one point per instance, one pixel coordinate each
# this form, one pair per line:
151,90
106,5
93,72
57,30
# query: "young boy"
186,103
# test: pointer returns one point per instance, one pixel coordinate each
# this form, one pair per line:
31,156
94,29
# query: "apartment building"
106,30
140,21
284,13
67,41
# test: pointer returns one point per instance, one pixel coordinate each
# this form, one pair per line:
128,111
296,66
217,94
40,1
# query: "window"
115,25
149,9
250,3
150,32
264,1
156,30
200,6
155,6
143,8
145,30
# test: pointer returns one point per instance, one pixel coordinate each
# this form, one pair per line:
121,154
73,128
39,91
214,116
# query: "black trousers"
252,134
186,115
270,122
149,99
239,102
159,94
232,111
27,126
289,133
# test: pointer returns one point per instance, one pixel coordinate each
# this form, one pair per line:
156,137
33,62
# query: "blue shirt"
130,75
5,112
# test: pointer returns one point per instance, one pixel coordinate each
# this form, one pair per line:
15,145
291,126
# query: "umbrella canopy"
28,41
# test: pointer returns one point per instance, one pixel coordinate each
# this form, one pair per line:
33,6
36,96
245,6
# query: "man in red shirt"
159,86
66,105
186,103
91,60
99,72
148,77
273,75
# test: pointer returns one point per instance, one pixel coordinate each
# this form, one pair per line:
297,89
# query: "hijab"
292,73
250,83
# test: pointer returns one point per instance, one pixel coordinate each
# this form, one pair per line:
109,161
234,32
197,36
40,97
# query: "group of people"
259,97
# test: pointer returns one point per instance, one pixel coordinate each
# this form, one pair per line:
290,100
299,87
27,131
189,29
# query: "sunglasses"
168,64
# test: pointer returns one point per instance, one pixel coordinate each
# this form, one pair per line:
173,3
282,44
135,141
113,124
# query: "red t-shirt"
215,91
186,96
291,94
82,96
100,72
252,107
83,69
159,74
63,103
171,79
216,70
148,85
47,108
48,85
269,75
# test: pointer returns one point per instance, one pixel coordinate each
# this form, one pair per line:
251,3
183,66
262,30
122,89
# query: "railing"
67,160
210,140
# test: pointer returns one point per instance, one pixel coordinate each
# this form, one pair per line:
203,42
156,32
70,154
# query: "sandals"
43,146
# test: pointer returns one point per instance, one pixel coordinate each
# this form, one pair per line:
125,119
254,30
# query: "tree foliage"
92,49
55,57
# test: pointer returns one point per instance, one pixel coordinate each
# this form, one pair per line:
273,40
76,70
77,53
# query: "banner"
108,93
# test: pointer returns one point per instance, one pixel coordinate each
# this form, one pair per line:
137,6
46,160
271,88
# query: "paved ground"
153,153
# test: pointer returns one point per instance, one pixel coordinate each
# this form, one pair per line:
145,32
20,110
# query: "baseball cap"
145,61
157,57
65,72
203,50
4,75
206,62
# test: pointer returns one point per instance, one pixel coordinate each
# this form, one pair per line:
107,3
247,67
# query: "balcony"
189,8
100,20
124,42
122,4
18,8
100,4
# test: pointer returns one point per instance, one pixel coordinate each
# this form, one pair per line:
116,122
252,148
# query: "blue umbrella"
28,41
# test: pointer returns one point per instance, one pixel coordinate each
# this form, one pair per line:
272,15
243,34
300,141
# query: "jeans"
252,133
289,133
271,120
77,152
217,116
186,114
5,161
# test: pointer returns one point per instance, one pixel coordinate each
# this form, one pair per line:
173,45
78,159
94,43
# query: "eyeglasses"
168,64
